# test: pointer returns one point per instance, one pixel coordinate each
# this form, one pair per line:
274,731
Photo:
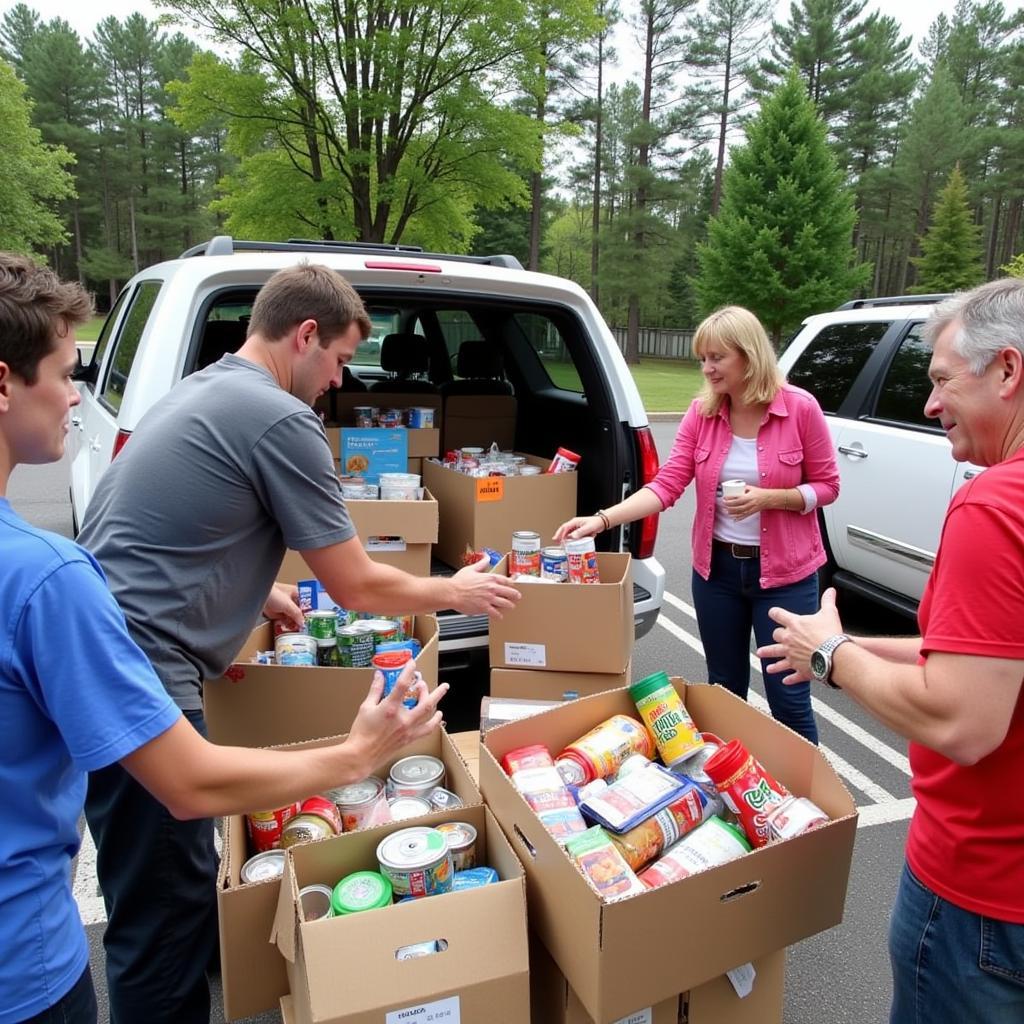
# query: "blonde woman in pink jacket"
761,547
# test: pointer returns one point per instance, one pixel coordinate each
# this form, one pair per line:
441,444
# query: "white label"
385,543
742,979
511,712
535,655
644,1016
444,1011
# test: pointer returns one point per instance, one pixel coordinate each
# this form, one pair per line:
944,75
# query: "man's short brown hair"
35,307
308,291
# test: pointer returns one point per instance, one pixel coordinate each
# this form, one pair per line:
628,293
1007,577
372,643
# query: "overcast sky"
914,15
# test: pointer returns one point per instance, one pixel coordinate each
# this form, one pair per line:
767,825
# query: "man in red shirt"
956,939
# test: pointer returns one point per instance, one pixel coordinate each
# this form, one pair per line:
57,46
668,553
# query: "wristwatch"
821,659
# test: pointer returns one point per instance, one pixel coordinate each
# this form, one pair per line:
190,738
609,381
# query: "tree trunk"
595,220
723,125
78,243
632,352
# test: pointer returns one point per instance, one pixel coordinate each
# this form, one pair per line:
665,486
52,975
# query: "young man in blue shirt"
77,694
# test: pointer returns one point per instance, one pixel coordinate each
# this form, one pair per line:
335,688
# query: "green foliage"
567,245
950,257
34,175
780,244
1015,268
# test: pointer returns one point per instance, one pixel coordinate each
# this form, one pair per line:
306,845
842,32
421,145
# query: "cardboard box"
479,420
495,711
566,627
343,970
530,684
485,512
423,442
252,970
398,533
263,705
696,929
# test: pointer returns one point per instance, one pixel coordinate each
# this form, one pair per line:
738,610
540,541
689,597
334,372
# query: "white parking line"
852,729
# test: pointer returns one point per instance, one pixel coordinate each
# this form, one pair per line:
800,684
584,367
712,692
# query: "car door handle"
76,421
857,453
94,444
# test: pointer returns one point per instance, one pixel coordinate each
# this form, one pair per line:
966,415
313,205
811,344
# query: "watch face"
819,665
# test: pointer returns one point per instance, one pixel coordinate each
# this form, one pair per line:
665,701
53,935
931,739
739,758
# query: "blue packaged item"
473,878
313,597
634,798
411,645
493,556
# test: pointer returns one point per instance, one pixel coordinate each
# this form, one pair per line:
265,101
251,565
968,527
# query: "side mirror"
85,374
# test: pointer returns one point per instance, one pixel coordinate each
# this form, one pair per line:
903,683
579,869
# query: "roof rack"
225,245
894,300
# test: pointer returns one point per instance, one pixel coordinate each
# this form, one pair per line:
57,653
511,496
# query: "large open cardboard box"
693,930
409,527
481,512
479,420
568,627
343,970
264,705
423,441
252,970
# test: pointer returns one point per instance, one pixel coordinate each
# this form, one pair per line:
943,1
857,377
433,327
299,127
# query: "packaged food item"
553,564
795,816
713,843
747,788
417,861
416,775
361,804
532,771
362,890
473,878
564,461
693,766
294,649
524,559
265,827
391,664
629,800
442,799
599,753
315,901
597,857
662,709
420,417
404,807
318,818
355,645
461,839
366,415
581,561
266,865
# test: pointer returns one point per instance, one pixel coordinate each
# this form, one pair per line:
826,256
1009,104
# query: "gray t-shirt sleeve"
293,473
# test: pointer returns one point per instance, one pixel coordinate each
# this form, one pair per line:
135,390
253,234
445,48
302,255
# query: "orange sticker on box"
490,488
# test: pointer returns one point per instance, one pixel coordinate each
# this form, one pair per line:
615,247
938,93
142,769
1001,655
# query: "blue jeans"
159,881
950,966
729,604
77,1007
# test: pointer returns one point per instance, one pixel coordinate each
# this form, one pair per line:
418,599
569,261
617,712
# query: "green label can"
321,625
355,645
675,734
362,890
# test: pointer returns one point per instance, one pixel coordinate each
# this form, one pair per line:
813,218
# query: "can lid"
734,830
362,890
391,659
725,761
648,685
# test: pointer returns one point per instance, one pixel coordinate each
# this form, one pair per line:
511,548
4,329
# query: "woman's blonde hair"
736,328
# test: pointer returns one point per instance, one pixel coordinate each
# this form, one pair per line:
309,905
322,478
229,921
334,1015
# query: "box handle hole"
530,848
418,949
742,890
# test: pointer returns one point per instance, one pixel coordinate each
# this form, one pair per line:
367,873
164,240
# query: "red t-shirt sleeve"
975,603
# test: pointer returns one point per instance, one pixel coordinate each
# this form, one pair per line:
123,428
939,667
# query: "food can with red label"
416,775
461,839
713,843
747,788
581,561
795,816
554,564
318,818
361,804
524,559
417,861
564,461
265,827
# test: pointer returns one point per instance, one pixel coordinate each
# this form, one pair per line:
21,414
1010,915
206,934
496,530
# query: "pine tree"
950,257
780,244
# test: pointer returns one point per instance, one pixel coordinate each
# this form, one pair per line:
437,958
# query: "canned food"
315,901
361,804
390,417
383,630
564,461
528,469
461,839
795,816
581,558
553,564
417,861
391,664
322,626
416,775
713,843
366,415
266,865
420,418
265,827
355,645
403,807
442,799
318,818
294,649
524,559
362,890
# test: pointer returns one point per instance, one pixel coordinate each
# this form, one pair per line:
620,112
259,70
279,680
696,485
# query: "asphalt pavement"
840,976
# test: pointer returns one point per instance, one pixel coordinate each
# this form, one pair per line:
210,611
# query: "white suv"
867,365
539,337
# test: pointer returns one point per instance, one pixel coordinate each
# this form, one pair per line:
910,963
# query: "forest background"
784,163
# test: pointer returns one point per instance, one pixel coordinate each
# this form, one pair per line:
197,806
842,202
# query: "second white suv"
867,365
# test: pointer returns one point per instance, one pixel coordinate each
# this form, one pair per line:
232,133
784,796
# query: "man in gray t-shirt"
190,524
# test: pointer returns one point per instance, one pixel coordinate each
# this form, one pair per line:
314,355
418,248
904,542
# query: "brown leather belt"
737,550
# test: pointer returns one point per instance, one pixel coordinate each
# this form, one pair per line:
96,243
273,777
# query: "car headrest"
404,354
479,359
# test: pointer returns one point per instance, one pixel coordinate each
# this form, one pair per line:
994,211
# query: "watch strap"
828,648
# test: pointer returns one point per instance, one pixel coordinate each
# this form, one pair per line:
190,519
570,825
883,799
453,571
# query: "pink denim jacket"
793,447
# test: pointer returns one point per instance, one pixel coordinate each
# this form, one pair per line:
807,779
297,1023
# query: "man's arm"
194,778
355,581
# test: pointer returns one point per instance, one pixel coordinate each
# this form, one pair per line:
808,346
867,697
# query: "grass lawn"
665,385
90,330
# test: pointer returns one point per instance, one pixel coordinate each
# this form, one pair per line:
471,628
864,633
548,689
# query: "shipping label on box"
370,451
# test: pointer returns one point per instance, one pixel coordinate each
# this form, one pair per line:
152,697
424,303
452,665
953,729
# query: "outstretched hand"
481,592
579,527
798,636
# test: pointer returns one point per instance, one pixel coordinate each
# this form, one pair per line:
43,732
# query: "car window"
906,385
106,333
833,359
385,322
456,327
547,341
127,343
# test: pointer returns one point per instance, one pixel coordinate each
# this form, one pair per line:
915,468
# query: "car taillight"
645,532
119,442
